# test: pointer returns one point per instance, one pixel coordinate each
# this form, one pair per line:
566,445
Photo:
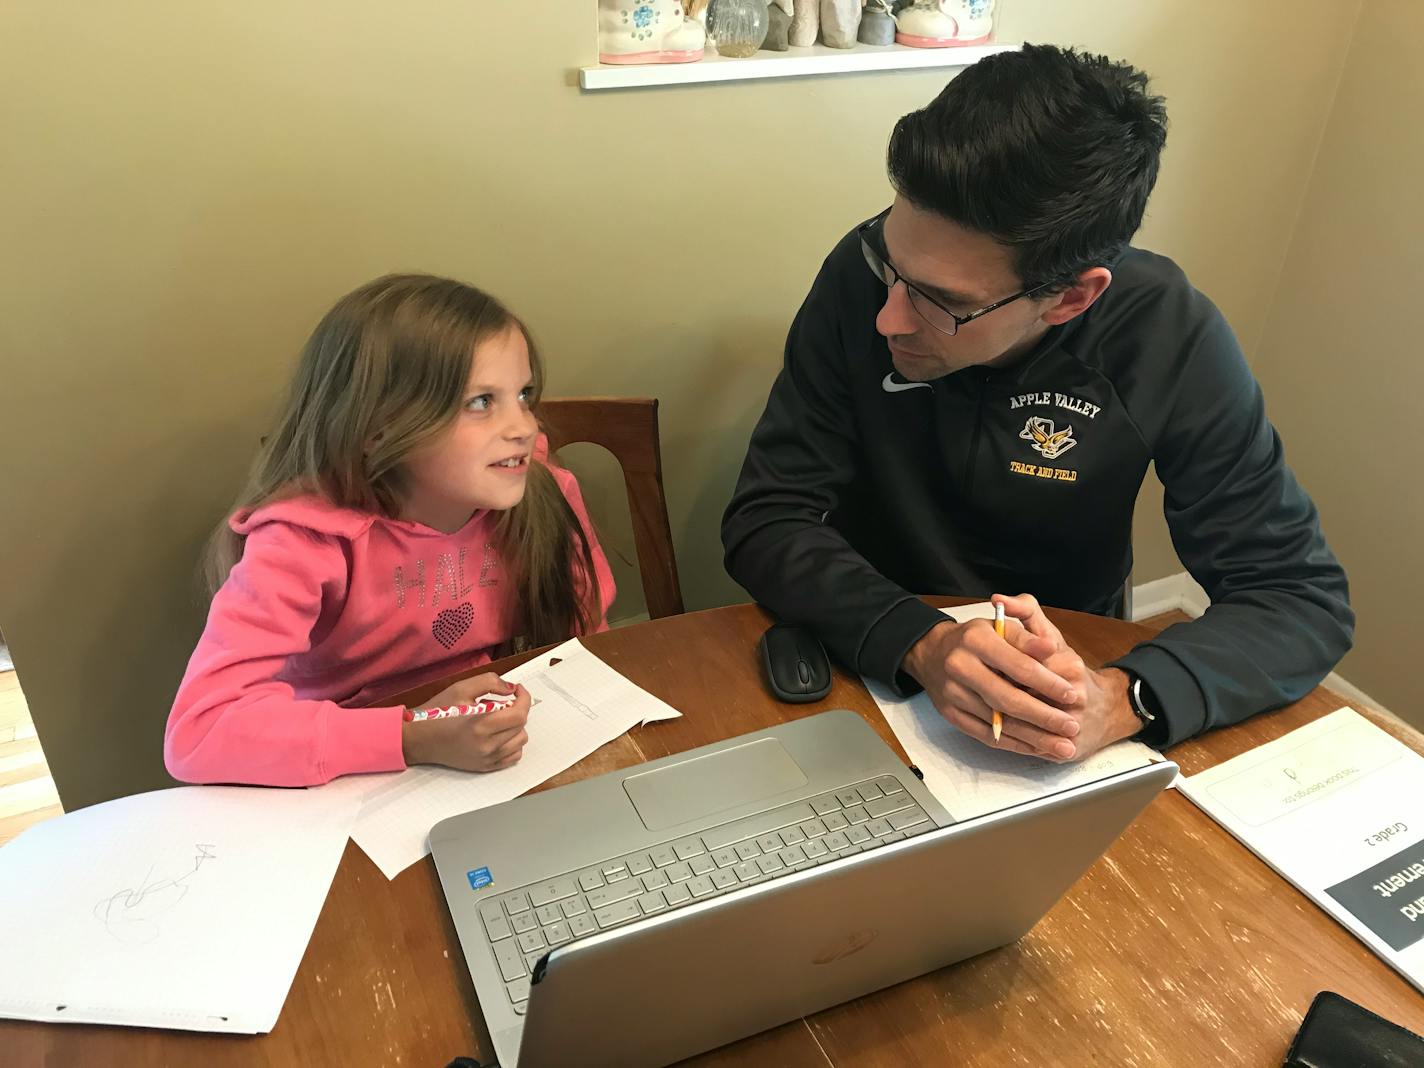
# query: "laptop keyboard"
524,924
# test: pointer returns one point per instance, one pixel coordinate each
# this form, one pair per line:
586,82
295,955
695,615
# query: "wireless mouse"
796,666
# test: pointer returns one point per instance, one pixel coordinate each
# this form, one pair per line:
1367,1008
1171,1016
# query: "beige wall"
187,187
1340,356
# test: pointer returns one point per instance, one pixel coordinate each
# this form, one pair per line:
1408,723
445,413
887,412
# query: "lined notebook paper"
580,703
970,779
179,908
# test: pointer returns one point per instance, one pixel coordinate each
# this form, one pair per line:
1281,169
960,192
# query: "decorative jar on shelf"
737,27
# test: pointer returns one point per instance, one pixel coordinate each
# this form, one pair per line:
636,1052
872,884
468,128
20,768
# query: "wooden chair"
628,428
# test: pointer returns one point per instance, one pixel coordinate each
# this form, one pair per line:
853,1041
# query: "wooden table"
1178,947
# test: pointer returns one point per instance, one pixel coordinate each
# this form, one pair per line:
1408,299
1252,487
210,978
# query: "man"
971,395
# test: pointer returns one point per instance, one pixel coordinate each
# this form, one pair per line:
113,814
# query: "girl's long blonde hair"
384,373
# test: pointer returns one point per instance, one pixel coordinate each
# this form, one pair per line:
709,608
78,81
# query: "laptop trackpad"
713,783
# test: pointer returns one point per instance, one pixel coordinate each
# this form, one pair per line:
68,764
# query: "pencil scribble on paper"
132,914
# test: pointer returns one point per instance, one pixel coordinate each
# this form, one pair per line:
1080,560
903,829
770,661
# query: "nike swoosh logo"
891,386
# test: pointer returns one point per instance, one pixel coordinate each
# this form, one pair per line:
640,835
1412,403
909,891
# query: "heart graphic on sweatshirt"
452,623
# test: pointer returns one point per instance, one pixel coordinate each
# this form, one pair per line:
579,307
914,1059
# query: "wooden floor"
27,793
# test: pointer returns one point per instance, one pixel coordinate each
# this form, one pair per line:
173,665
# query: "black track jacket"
860,490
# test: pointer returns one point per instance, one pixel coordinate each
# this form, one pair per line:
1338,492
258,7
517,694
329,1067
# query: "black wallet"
1337,1033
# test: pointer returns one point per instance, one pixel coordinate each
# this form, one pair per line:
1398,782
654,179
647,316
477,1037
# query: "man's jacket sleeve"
1280,616
778,545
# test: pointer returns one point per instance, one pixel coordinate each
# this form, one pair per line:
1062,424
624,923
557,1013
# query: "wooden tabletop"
1177,947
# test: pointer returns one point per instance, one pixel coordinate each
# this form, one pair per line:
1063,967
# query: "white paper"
1337,808
580,704
187,908
969,778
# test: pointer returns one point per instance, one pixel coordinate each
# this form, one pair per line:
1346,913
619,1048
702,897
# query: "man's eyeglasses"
929,309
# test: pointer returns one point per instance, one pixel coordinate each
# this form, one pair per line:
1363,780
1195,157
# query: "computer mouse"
796,666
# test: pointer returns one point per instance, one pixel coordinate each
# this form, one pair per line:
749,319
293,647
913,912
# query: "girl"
402,524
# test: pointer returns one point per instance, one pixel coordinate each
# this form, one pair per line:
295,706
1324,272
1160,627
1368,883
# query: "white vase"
648,31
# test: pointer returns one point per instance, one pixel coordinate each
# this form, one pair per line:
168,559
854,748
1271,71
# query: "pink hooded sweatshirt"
329,610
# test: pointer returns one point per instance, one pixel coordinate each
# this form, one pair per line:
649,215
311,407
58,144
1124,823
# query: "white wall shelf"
794,63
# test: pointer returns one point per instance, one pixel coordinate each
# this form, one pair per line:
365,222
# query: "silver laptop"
652,913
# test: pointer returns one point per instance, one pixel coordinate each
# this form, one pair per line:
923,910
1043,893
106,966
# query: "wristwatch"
1139,698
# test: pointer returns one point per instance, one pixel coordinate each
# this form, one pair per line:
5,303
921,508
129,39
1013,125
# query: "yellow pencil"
999,630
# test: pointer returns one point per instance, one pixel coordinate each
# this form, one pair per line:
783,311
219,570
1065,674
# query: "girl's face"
482,459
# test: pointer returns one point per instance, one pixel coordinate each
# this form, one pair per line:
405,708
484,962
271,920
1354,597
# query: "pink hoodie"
328,610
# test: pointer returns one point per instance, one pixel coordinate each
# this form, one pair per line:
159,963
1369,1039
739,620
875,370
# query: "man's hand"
1026,609
968,671
1102,710
1105,714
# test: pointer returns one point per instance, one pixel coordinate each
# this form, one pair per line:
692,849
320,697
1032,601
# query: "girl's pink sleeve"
233,719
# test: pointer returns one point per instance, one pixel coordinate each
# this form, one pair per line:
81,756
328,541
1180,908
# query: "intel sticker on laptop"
479,878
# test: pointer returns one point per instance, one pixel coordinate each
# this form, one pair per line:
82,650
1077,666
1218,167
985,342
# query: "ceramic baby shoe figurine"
648,31
944,23
973,19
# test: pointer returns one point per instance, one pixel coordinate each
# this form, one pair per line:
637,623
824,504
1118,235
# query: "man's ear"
1078,297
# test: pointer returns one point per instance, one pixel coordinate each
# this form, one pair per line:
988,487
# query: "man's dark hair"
1050,151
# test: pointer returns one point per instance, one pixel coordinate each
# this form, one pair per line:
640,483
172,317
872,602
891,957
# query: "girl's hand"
485,742
467,691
